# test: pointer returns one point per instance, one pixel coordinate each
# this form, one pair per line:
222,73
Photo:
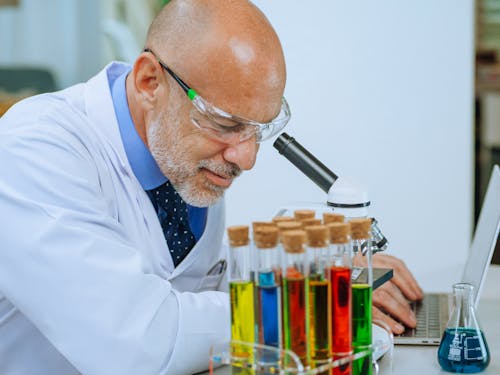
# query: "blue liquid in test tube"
269,296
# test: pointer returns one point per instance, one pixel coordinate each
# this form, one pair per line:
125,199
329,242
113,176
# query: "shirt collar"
142,162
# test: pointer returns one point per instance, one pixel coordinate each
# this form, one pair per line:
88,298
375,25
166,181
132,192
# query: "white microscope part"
348,198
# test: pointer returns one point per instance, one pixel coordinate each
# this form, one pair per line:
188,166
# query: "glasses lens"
271,129
227,128
231,134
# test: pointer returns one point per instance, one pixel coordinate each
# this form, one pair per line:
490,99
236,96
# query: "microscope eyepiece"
305,161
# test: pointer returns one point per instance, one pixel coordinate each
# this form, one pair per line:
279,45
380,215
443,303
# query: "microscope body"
345,196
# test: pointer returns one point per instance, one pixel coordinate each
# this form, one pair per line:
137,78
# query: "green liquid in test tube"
362,296
362,325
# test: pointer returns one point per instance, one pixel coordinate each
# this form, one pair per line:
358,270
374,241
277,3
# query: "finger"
394,325
399,273
406,282
402,276
391,300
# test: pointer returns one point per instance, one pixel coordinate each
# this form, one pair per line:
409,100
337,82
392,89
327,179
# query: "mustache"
228,170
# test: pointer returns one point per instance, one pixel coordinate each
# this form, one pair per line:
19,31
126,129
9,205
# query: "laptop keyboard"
431,314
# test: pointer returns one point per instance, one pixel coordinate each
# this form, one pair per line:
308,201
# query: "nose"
242,154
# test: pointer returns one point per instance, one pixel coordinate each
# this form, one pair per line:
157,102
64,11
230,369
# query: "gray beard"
174,164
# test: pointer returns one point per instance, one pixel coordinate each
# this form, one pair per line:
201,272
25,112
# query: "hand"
390,301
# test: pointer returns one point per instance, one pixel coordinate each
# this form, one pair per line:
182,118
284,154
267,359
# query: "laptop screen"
485,237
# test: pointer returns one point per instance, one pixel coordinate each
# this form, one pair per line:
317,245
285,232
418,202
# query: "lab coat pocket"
210,282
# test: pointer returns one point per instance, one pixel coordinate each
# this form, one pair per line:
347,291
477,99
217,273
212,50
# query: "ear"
148,76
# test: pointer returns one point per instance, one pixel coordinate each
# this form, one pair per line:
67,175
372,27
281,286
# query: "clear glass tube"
268,283
295,295
285,226
339,274
362,288
241,291
319,295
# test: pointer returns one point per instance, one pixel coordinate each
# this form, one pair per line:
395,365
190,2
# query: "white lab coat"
87,284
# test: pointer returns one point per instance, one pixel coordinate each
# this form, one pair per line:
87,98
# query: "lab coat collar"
100,110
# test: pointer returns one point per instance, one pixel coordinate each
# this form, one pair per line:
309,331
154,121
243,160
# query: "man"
111,193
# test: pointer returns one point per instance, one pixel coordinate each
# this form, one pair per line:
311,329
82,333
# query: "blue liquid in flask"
463,350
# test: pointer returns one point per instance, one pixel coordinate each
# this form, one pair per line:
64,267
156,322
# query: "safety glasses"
225,127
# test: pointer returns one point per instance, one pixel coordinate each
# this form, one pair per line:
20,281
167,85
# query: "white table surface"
422,360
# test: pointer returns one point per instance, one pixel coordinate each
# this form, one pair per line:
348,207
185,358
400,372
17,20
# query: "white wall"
382,92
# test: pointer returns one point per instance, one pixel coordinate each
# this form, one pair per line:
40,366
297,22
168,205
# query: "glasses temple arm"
188,90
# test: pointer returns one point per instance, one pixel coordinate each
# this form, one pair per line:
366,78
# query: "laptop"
432,312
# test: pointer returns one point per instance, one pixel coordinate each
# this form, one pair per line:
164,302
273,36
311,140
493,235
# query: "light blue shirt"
142,162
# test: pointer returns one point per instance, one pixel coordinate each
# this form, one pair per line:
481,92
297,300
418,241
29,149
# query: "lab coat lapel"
102,117
100,110
205,251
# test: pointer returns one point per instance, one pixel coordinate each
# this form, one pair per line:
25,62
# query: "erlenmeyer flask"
463,347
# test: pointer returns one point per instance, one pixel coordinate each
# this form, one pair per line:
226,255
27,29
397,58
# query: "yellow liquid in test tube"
242,315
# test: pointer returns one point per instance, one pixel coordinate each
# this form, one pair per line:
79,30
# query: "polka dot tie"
173,214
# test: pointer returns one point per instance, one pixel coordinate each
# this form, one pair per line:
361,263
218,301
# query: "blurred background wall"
62,36
382,92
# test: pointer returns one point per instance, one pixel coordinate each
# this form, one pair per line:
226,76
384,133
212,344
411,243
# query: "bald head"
226,50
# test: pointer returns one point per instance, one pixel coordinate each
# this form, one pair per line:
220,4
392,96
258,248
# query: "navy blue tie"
173,214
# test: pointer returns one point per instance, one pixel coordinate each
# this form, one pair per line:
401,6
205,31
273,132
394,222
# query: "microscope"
344,196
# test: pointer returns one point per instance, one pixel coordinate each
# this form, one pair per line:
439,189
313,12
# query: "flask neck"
464,315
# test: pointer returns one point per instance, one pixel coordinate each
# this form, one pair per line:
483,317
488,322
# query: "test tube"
339,274
319,295
362,296
295,294
268,280
241,291
285,226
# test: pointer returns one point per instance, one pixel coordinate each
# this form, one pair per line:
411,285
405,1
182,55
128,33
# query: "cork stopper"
330,217
289,225
293,241
339,232
262,224
238,235
317,236
285,226
266,237
310,222
279,219
304,214
360,228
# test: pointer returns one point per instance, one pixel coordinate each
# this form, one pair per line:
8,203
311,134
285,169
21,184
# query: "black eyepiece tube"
307,163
